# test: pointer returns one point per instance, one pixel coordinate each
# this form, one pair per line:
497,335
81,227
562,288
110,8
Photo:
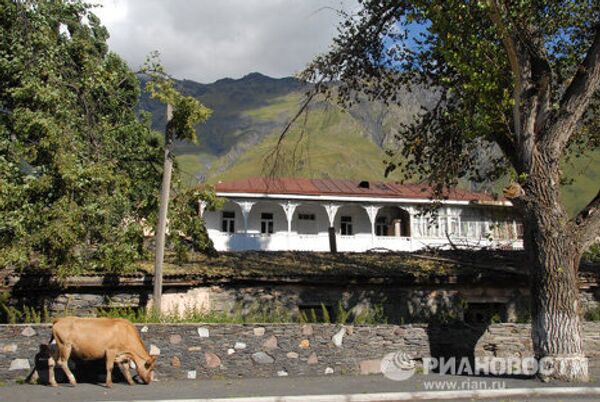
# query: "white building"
300,214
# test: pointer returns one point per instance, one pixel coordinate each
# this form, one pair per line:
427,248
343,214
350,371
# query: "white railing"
360,242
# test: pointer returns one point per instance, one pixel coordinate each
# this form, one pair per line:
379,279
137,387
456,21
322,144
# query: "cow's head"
146,373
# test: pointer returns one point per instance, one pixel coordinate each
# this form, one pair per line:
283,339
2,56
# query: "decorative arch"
392,220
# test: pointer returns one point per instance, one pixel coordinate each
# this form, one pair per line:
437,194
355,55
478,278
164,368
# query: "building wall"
321,224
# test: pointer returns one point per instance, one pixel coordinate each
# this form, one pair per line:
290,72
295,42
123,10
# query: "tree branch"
587,223
575,101
513,58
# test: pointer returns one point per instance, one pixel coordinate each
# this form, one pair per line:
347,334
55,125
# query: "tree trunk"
554,258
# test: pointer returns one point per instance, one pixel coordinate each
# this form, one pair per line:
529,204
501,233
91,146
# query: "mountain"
326,142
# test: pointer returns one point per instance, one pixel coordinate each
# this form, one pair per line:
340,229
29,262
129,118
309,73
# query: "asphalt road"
191,389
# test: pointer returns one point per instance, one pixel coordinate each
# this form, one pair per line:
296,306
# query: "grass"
254,314
330,144
286,264
277,107
192,164
257,314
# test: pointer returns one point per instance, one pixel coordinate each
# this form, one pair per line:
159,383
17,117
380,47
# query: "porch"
272,225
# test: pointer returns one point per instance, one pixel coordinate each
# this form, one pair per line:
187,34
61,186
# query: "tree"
182,113
520,77
79,170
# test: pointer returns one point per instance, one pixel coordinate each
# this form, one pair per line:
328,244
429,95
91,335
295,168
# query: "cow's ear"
150,362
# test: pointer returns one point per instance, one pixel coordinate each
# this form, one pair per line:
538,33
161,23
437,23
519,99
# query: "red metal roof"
324,187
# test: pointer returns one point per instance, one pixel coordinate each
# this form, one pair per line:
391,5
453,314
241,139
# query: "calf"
114,339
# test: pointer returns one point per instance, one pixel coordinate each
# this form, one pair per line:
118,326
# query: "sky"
205,40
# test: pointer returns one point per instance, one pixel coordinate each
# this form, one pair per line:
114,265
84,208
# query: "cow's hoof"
53,385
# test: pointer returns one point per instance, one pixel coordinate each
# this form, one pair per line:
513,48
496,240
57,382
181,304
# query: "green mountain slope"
328,144
250,113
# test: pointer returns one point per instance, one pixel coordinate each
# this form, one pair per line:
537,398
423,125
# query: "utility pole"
162,214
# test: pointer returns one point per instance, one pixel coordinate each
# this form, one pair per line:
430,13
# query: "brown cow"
114,339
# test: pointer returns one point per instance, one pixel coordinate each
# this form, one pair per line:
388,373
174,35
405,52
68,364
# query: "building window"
266,223
228,222
346,225
306,217
381,226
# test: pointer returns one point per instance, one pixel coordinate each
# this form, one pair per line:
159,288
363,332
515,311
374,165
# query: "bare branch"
575,101
274,155
513,58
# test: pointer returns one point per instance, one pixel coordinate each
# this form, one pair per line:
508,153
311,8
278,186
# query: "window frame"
228,222
346,225
267,223
381,226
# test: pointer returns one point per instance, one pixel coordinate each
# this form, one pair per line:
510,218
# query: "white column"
246,207
289,208
331,210
372,212
201,208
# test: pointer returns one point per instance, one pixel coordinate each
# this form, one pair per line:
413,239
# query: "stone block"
262,358
154,350
304,344
28,332
9,348
211,360
270,343
259,331
292,355
307,330
367,367
203,332
175,339
19,364
338,338
175,362
312,359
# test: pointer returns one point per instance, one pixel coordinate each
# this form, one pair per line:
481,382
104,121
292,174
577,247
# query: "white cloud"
206,40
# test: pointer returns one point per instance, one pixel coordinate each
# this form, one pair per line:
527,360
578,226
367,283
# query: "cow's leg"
64,352
124,367
110,363
51,378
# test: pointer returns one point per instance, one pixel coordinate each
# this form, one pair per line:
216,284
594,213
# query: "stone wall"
399,304
232,351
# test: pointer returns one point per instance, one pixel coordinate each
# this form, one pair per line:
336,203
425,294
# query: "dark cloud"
210,39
